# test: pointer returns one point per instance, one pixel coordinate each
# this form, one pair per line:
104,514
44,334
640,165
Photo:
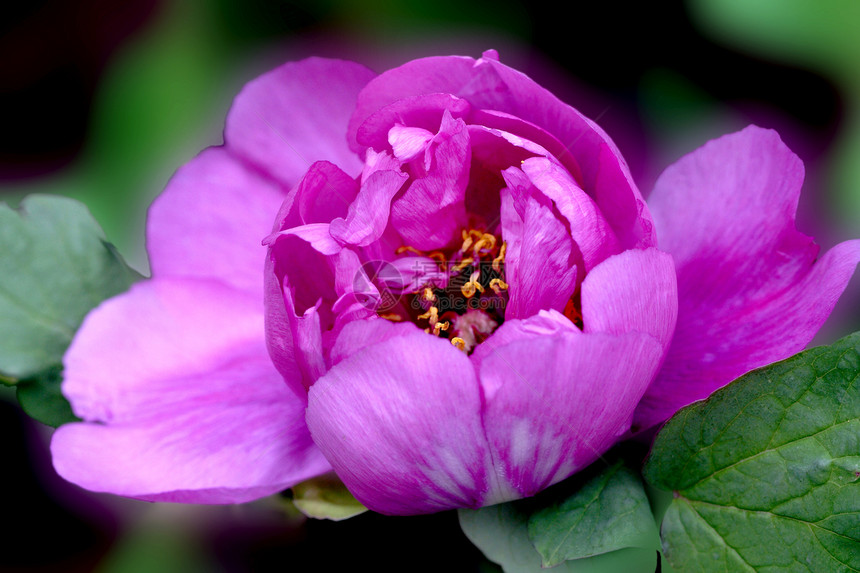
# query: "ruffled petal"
400,422
434,77
232,210
185,406
324,193
488,84
424,112
297,114
588,227
368,214
750,290
317,235
300,305
431,211
408,142
278,326
556,403
540,267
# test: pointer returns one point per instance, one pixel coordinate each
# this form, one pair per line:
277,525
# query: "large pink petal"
209,221
180,401
297,114
400,422
635,291
360,334
749,287
556,403
546,323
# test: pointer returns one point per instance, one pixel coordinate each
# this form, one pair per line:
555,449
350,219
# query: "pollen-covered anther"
439,257
459,343
432,315
467,241
428,294
484,245
407,248
470,288
392,317
463,264
500,259
474,279
498,285
470,237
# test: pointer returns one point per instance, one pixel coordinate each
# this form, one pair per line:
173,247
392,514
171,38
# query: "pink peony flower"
464,293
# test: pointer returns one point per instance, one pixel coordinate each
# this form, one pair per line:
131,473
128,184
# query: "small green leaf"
527,535
501,532
609,512
325,497
41,399
55,267
766,472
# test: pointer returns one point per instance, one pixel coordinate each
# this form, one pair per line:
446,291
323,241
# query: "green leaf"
41,399
55,267
609,512
325,497
766,472
552,528
501,532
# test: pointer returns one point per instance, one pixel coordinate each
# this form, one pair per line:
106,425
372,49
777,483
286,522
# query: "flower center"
471,305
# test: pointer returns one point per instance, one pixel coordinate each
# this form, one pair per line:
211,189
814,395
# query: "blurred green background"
102,101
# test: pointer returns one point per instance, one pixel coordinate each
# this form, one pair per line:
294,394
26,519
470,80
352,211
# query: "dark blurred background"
102,101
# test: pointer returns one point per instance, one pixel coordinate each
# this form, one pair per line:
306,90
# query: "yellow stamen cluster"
480,244
477,247
432,315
